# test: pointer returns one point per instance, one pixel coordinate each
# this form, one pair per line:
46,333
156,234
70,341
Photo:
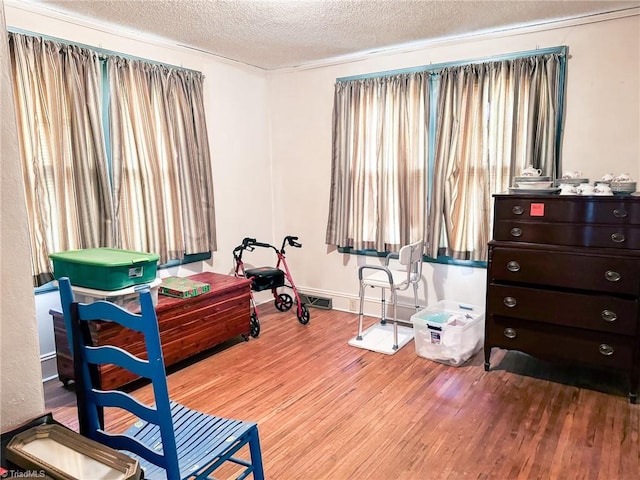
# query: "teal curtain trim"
561,50
560,114
441,259
100,51
434,87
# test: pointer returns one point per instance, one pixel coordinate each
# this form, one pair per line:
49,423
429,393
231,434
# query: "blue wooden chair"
169,440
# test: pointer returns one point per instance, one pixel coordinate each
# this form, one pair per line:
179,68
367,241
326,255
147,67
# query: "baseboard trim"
48,366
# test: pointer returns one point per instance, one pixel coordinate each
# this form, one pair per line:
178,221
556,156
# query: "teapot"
530,171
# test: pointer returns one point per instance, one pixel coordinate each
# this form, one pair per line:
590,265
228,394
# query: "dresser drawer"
593,312
578,271
558,343
571,234
587,210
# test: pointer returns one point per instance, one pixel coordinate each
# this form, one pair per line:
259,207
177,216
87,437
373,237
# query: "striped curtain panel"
162,179
58,92
494,120
379,163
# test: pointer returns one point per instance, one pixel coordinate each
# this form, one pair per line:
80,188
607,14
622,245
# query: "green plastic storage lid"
105,257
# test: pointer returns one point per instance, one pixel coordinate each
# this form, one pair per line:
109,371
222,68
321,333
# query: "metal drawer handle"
619,213
510,302
608,316
617,237
517,210
509,333
516,232
513,266
612,276
605,349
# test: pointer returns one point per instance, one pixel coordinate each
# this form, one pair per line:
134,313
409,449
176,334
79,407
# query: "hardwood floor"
326,410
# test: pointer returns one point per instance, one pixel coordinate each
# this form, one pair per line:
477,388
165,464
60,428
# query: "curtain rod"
103,53
562,51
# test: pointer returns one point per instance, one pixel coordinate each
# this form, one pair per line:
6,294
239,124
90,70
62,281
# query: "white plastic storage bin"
448,332
127,298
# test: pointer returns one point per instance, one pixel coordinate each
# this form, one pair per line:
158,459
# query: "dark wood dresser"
563,280
187,327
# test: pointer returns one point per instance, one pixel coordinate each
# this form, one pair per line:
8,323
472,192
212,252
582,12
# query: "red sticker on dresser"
537,210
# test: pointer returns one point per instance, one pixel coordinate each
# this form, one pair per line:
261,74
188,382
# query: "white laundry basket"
448,332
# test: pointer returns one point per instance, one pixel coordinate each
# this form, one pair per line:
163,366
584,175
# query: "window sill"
442,259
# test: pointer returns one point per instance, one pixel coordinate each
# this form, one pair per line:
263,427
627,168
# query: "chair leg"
256,455
383,313
359,337
394,299
415,296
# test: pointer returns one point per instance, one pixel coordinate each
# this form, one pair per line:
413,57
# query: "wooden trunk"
187,327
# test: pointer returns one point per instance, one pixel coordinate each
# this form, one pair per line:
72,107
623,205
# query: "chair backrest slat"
115,355
114,398
121,442
114,313
92,398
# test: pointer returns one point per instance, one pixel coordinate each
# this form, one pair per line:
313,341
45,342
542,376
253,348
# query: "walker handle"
247,241
251,242
292,242
237,252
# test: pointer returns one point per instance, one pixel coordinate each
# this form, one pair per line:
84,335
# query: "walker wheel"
283,302
303,318
254,325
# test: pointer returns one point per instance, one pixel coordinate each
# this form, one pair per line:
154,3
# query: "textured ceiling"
273,34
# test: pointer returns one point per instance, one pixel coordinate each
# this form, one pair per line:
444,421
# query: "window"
114,150
435,154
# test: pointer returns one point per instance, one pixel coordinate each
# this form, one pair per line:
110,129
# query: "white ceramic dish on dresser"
534,191
517,180
571,181
535,185
623,188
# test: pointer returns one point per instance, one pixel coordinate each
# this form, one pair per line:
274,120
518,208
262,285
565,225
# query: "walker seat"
265,278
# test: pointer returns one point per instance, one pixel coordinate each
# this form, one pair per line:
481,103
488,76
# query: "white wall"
20,382
602,125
